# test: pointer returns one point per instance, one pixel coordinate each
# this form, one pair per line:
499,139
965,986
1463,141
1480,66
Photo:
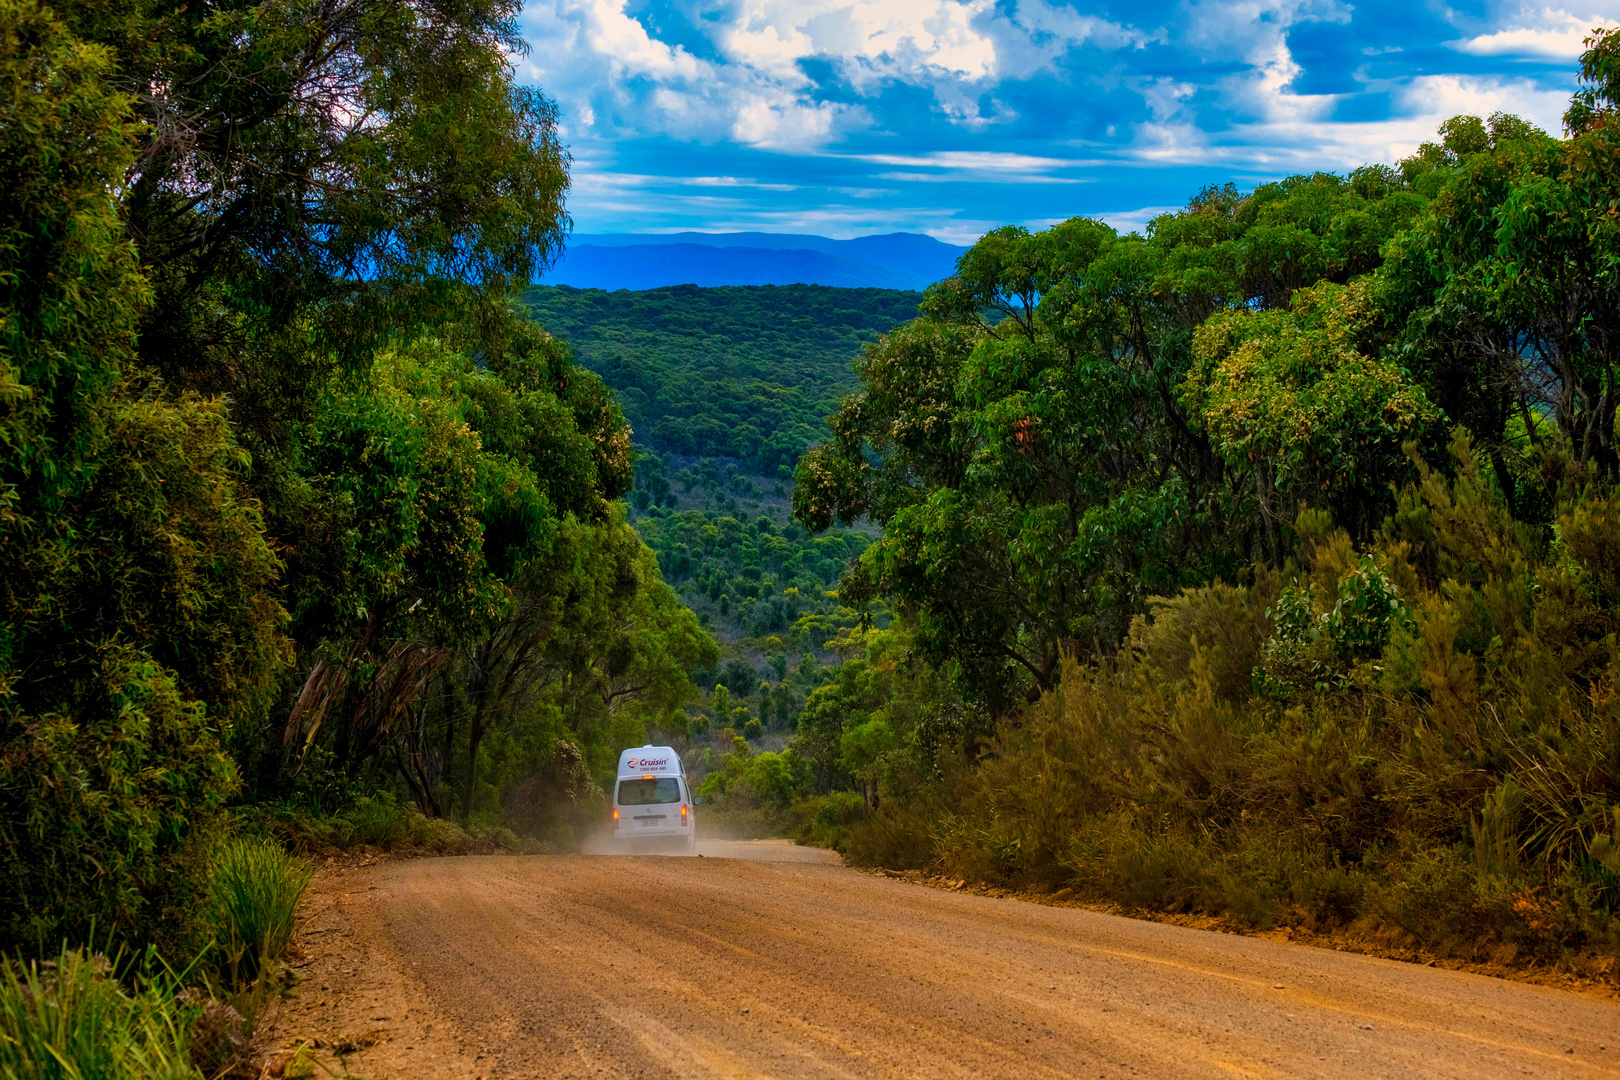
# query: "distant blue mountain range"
651,260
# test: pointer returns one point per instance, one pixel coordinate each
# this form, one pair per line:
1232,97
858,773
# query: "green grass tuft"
255,889
70,1019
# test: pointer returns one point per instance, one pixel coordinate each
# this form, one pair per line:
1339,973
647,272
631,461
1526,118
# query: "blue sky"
953,116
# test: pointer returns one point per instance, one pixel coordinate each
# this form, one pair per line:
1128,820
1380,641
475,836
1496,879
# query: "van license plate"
651,820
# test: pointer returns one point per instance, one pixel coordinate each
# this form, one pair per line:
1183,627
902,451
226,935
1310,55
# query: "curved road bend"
597,966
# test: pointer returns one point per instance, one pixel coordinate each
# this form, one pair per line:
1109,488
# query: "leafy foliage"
484,582
1291,392
137,581
1038,456
322,173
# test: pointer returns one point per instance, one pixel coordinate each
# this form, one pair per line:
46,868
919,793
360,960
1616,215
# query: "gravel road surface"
771,962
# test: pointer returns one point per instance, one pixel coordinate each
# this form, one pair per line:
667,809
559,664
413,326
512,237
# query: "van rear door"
649,804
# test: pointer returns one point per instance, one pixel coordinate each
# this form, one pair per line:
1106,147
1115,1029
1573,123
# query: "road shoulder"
355,1010
1593,974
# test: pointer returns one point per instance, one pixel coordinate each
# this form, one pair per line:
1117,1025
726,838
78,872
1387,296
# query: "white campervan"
651,800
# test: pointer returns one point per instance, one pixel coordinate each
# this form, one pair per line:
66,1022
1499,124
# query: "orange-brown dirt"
1591,972
603,966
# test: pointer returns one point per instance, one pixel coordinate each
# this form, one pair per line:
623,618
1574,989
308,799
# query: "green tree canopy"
1027,444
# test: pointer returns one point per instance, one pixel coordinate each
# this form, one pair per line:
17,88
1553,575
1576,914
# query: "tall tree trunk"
475,735
477,695
448,759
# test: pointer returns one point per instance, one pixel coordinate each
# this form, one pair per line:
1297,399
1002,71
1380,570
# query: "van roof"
650,761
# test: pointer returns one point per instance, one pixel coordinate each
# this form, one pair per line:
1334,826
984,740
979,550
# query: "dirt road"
595,966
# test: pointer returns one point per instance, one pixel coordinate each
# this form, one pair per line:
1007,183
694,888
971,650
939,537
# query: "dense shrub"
110,809
1435,744
825,821
560,803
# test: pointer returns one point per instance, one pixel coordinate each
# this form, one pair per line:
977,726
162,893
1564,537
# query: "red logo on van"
646,763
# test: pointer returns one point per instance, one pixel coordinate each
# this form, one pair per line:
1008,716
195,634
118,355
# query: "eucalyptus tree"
321,173
314,180
1505,294
225,230
1029,448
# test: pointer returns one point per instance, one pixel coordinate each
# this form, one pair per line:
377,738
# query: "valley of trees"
725,388
1266,564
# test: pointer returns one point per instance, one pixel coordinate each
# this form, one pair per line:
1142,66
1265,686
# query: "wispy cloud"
986,161
1295,144
1129,221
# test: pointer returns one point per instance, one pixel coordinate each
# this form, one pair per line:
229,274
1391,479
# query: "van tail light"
683,813
615,817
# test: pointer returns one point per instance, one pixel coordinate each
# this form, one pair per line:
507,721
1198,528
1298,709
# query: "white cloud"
977,166
988,161
1307,142
1547,33
912,40
732,181
943,178
812,79
614,78
924,42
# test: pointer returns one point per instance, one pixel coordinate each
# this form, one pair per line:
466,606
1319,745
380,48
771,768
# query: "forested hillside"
749,373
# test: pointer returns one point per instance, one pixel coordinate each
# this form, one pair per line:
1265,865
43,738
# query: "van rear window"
645,792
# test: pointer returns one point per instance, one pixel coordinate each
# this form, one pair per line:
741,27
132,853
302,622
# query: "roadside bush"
255,889
377,820
109,810
380,823
825,821
752,795
895,835
1227,622
560,803
1436,750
